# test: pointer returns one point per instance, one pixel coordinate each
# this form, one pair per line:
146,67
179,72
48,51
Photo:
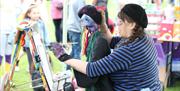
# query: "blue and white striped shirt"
130,67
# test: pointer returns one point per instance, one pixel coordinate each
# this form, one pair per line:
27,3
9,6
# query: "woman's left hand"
59,52
57,49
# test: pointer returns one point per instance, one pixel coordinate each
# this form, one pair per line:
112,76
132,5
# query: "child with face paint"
94,46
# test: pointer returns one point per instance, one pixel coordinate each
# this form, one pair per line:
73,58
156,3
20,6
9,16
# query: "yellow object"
176,31
21,17
177,12
7,67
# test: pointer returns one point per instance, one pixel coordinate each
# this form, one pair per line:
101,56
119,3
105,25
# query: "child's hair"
92,12
29,10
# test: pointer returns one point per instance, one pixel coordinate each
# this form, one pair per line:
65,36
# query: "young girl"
23,6
32,16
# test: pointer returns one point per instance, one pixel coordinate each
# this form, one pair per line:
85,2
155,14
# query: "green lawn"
23,76
176,87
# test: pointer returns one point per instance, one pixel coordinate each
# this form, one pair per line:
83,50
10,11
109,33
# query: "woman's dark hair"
138,30
92,12
134,13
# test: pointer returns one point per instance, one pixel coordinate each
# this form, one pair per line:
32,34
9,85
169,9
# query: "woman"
132,65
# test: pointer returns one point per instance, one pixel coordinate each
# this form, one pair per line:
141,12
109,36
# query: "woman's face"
34,14
124,28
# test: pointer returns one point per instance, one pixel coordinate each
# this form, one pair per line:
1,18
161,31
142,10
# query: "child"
94,47
32,16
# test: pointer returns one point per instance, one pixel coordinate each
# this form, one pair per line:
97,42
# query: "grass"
21,77
175,87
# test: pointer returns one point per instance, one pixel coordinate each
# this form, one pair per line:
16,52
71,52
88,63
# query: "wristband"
64,57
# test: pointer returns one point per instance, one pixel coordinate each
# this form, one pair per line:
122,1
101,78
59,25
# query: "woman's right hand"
104,29
103,25
103,17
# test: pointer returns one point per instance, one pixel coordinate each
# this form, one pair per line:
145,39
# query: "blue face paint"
88,22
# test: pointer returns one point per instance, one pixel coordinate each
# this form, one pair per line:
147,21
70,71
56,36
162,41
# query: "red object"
22,41
111,25
100,8
166,31
24,22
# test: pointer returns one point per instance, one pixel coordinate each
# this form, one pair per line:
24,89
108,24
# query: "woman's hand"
103,17
59,52
103,25
57,49
104,29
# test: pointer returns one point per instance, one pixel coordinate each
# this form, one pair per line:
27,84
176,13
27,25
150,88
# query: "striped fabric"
131,67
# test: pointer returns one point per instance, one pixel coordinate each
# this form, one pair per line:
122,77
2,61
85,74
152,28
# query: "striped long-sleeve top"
131,67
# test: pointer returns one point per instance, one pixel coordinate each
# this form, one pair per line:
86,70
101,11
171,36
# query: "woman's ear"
132,25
